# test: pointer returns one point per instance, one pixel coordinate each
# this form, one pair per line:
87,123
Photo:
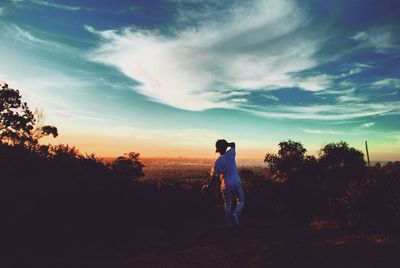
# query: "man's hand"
231,144
204,188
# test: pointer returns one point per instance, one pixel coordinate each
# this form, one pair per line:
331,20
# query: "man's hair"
221,146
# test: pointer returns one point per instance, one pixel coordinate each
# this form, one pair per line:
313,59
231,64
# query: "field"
261,242
186,168
177,168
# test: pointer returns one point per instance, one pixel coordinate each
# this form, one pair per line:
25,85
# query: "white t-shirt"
225,168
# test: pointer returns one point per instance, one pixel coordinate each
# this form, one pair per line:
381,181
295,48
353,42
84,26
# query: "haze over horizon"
170,77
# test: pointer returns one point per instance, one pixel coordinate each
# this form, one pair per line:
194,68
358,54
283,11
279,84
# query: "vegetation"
55,197
18,124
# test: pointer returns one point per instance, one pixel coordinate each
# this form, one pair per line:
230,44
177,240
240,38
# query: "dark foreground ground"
261,242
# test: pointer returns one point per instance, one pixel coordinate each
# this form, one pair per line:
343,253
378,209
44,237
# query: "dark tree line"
53,192
337,185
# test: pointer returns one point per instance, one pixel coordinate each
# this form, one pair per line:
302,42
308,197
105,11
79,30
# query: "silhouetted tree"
341,166
298,175
17,122
128,166
389,182
40,129
287,162
376,202
62,151
343,171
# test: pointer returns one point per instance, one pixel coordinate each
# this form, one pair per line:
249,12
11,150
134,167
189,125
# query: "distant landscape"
180,168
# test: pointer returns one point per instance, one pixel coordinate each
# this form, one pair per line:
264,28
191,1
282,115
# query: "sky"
170,77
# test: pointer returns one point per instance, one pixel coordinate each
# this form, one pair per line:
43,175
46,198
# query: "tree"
341,165
343,171
63,152
288,161
297,175
40,129
128,166
18,124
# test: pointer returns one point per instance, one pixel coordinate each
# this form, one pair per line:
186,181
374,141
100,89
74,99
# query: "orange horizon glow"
108,146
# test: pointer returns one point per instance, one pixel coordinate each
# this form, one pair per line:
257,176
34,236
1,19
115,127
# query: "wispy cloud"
49,4
380,39
54,5
21,35
351,99
327,112
368,125
387,82
1,11
356,69
271,97
79,115
256,46
325,132
29,39
132,8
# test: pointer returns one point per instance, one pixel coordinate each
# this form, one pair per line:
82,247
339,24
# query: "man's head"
221,146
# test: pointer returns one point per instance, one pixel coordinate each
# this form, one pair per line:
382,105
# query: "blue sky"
170,77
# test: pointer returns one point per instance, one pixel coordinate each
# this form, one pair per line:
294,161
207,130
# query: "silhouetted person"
231,186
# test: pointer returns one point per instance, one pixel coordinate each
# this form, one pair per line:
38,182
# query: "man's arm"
211,179
231,154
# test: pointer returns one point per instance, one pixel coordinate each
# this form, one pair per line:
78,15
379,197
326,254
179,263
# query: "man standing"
231,186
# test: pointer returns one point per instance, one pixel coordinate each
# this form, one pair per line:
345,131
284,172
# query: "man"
231,186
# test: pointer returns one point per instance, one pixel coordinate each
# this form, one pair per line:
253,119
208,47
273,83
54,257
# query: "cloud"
44,90
29,40
259,46
21,35
79,115
380,39
1,11
49,4
368,125
356,69
271,97
351,99
329,112
132,8
239,100
40,81
324,132
360,36
387,82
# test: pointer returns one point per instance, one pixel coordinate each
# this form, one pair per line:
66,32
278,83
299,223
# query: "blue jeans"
230,192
